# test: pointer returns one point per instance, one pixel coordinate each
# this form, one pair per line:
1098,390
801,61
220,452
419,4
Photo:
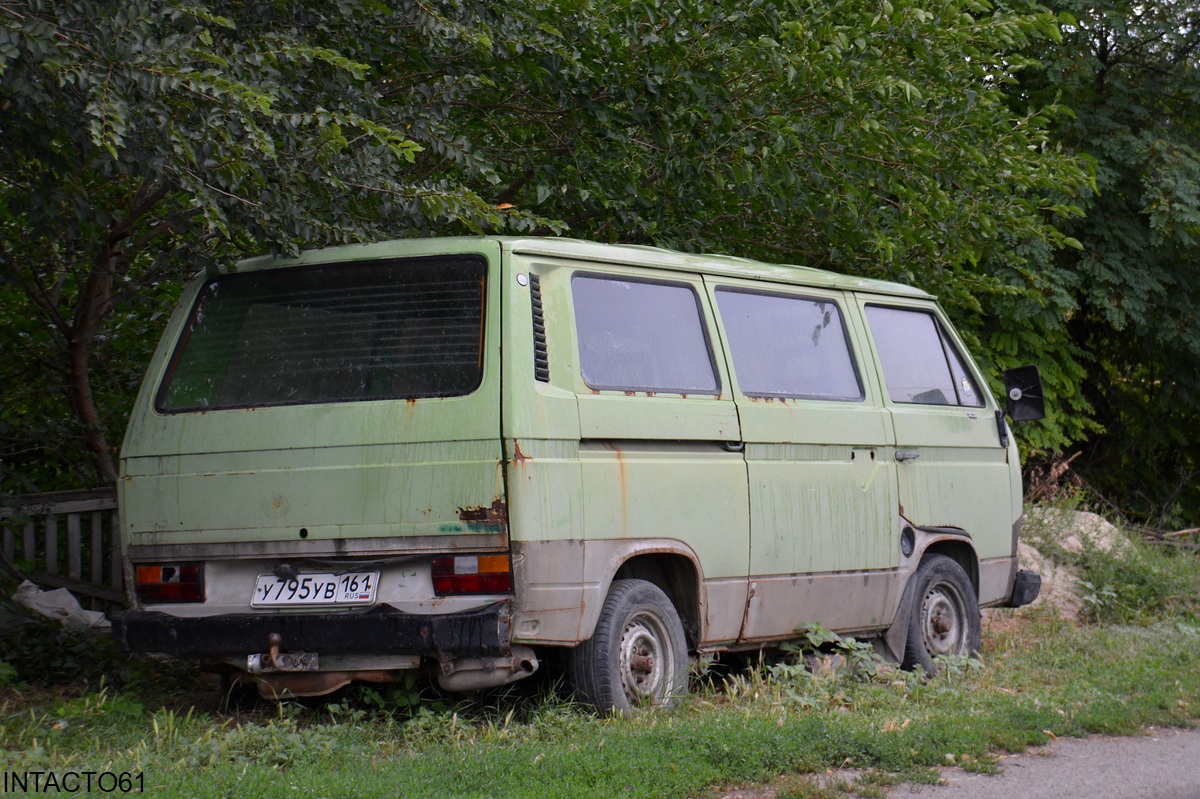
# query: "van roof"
575,249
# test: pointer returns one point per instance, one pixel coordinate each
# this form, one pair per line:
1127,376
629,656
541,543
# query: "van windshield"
344,332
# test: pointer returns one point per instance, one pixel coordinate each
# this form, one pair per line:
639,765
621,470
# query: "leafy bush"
8,675
1127,582
1141,585
40,651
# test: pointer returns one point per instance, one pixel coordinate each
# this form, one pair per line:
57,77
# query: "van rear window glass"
920,364
788,346
345,332
642,336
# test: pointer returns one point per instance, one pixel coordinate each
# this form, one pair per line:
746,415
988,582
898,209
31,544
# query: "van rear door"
344,403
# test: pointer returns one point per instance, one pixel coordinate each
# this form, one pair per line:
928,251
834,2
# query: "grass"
773,724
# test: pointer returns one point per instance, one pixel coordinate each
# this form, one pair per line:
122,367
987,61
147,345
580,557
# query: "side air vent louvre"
541,356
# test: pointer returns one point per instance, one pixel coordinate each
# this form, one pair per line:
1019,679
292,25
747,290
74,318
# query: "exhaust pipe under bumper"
462,675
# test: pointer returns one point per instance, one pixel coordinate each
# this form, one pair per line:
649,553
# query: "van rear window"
345,332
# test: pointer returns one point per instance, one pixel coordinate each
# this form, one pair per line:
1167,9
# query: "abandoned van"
458,455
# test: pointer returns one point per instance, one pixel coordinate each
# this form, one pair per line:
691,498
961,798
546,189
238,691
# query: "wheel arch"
948,541
677,576
961,552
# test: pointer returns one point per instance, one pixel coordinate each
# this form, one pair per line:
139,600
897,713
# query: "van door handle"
733,446
902,455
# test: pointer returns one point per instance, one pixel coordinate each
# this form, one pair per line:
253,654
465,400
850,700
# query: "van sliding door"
822,497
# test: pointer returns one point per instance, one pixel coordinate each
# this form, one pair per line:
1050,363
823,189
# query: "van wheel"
637,656
944,619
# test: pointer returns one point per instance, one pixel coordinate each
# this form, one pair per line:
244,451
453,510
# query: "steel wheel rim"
943,622
643,654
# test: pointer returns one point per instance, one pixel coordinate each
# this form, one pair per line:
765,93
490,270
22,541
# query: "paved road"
1163,764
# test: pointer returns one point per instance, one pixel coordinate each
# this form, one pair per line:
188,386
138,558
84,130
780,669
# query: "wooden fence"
66,540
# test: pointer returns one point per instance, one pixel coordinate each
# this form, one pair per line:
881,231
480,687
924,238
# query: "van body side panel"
996,580
561,586
846,602
653,461
553,598
540,422
648,465
954,482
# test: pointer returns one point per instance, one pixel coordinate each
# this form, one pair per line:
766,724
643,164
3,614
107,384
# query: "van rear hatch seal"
475,633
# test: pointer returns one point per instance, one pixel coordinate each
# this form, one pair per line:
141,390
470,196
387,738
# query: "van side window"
637,335
788,346
920,364
342,332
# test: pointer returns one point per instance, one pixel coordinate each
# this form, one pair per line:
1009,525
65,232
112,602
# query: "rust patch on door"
519,459
752,591
492,517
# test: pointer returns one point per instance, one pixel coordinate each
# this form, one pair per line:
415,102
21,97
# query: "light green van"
461,454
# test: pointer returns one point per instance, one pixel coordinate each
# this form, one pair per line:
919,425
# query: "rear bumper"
485,632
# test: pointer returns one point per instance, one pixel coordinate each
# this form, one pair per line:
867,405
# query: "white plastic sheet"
59,604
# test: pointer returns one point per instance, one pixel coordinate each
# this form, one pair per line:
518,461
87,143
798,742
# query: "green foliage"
863,137
143,141
40,651
399,697
824,653
1131,75
1139,588
8,675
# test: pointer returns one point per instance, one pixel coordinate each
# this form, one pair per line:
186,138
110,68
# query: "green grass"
768,724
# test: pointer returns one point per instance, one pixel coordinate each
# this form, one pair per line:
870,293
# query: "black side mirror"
1023,386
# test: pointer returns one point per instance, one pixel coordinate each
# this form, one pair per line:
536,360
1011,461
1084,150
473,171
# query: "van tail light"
169,582
472,574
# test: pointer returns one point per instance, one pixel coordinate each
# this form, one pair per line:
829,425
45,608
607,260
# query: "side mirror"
1023,386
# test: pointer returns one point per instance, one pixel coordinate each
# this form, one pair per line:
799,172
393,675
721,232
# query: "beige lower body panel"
553,601
561,587
846,602
996,577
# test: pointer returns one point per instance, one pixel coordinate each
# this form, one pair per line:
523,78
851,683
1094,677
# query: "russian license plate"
351,588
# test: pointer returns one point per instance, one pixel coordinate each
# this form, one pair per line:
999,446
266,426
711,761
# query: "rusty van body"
456,454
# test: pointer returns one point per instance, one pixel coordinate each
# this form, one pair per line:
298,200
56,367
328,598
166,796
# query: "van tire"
637,657
944,615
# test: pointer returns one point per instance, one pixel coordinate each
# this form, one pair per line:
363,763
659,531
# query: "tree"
865,136
144,139
1131,73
